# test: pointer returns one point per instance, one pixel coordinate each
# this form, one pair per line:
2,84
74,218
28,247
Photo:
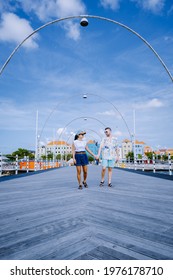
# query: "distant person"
80,159
109,150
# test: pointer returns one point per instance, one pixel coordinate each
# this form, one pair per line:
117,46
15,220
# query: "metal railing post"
169,162
46,163
27,164
154,164
0,164
35,164
143,164
16,165
41,163
135,162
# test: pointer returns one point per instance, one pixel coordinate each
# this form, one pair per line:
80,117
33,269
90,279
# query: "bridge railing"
149,165
13,164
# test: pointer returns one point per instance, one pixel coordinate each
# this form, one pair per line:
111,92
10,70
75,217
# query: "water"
163,172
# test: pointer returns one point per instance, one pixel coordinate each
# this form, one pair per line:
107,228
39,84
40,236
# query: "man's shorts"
108,163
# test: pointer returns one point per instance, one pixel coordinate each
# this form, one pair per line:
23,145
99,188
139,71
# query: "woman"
80,158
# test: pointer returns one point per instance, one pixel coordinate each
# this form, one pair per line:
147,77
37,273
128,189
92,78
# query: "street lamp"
84,22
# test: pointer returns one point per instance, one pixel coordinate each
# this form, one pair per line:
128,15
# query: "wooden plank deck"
45,216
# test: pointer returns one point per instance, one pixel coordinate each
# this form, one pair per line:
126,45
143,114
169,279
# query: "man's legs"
109,175
103,173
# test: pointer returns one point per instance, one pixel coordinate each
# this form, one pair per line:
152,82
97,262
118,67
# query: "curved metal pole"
57,105
86,131
89,16
78,119
130,134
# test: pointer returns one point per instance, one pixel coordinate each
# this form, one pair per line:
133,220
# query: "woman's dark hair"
76,137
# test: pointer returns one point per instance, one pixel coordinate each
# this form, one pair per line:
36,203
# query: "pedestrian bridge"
45,216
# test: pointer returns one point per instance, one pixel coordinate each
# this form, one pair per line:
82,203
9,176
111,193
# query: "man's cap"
80,131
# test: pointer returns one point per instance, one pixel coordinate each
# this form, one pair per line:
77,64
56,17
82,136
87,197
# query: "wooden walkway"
45,216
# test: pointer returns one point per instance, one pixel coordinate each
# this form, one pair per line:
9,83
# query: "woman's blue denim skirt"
81,159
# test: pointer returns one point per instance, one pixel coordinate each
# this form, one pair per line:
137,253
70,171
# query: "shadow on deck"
45,216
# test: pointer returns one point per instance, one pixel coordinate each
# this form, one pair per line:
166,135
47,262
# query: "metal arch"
93,94
78,119
90,134
103,98
89,16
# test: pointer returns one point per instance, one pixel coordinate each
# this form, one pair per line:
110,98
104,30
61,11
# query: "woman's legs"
85,172
78,168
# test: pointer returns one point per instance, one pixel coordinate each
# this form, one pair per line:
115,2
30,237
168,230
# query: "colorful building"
55,147
126,148
139,148
147,149
93,146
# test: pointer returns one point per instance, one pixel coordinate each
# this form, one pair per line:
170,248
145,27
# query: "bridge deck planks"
45,216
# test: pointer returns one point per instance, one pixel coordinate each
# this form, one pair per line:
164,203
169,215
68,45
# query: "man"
109,150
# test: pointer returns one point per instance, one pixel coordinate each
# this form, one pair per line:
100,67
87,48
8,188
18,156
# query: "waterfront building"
126,148
139,149
93,146
147,149
55,147
169,151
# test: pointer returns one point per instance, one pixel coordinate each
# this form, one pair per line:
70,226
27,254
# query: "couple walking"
108,149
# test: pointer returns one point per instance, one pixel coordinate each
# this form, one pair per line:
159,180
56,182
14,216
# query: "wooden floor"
45,216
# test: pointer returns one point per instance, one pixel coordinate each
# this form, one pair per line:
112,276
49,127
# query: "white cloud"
112,4
60,130
155,6
72,30
118,133
52,9
45,10
14,117
15,29
107,113
153,103
168,38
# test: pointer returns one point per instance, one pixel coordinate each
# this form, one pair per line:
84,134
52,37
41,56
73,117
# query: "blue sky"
54,69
